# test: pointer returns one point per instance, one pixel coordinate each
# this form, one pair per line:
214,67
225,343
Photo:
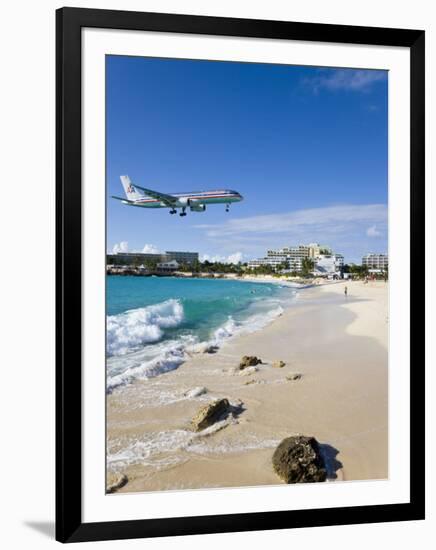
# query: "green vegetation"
357,271
261,270
151,265
220,267
307,266
195,267
282,266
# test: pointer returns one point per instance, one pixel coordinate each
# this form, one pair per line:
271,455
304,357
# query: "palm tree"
151,265
307,266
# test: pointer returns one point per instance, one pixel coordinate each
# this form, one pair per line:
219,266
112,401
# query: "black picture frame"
69,525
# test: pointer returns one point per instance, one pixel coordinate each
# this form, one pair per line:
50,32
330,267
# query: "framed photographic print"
240,299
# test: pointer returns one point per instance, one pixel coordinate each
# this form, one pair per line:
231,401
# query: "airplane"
195,200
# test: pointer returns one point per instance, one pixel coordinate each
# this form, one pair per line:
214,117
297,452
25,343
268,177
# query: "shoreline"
296,282
173,352
338,345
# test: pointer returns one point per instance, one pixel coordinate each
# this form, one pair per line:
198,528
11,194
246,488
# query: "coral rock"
294,376
249,361
298,459
210,413
115,481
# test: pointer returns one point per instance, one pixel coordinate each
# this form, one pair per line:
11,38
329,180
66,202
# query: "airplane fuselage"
196,201
224,196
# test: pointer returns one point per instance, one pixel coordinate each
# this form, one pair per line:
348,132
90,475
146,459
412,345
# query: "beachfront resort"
303,260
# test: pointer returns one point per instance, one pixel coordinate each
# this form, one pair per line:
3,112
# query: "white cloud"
373,231
150,249
234,258
345,79
331,219
343,227
123,246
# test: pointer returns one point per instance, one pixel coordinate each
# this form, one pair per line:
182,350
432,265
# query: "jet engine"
197,207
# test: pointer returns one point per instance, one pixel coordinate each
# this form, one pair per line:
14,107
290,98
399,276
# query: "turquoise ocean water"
153,323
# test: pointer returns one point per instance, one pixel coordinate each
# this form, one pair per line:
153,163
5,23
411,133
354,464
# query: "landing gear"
227,207
173,211
183,213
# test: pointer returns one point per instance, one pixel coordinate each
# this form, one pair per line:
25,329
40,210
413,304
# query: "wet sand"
340,347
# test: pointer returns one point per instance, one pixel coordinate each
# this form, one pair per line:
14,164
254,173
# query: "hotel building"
293,256
379,262
139,258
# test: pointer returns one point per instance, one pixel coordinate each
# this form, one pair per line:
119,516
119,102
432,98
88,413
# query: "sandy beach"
338,344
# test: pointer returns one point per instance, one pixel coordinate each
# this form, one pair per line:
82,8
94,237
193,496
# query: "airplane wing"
169,200
123,199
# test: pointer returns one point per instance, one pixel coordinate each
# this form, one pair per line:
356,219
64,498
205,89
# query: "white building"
136,258
172,265
257,263
181,257
377,262
293,256
329,264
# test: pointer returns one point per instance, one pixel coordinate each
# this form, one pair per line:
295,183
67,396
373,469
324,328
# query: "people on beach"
345,291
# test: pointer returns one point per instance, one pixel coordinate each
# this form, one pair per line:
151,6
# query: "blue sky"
305,146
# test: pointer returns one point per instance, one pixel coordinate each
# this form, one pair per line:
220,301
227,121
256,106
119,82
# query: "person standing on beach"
345,291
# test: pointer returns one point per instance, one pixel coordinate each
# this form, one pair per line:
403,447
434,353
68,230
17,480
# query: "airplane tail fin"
132,193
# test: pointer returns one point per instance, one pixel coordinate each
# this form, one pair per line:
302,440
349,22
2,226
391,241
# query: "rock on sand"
249,361
298,459
210,413
115,481
294,376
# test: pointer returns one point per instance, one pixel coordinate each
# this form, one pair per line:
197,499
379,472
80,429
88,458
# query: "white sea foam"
147,363
232,328
168,448
261,320
132,329
152,447
253,323
134,349
194,392
244,442
162,392
227,330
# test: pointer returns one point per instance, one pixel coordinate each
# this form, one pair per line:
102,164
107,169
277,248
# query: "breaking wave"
146,363
139,345
132,329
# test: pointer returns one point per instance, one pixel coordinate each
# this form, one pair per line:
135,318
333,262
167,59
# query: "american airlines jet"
196,201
